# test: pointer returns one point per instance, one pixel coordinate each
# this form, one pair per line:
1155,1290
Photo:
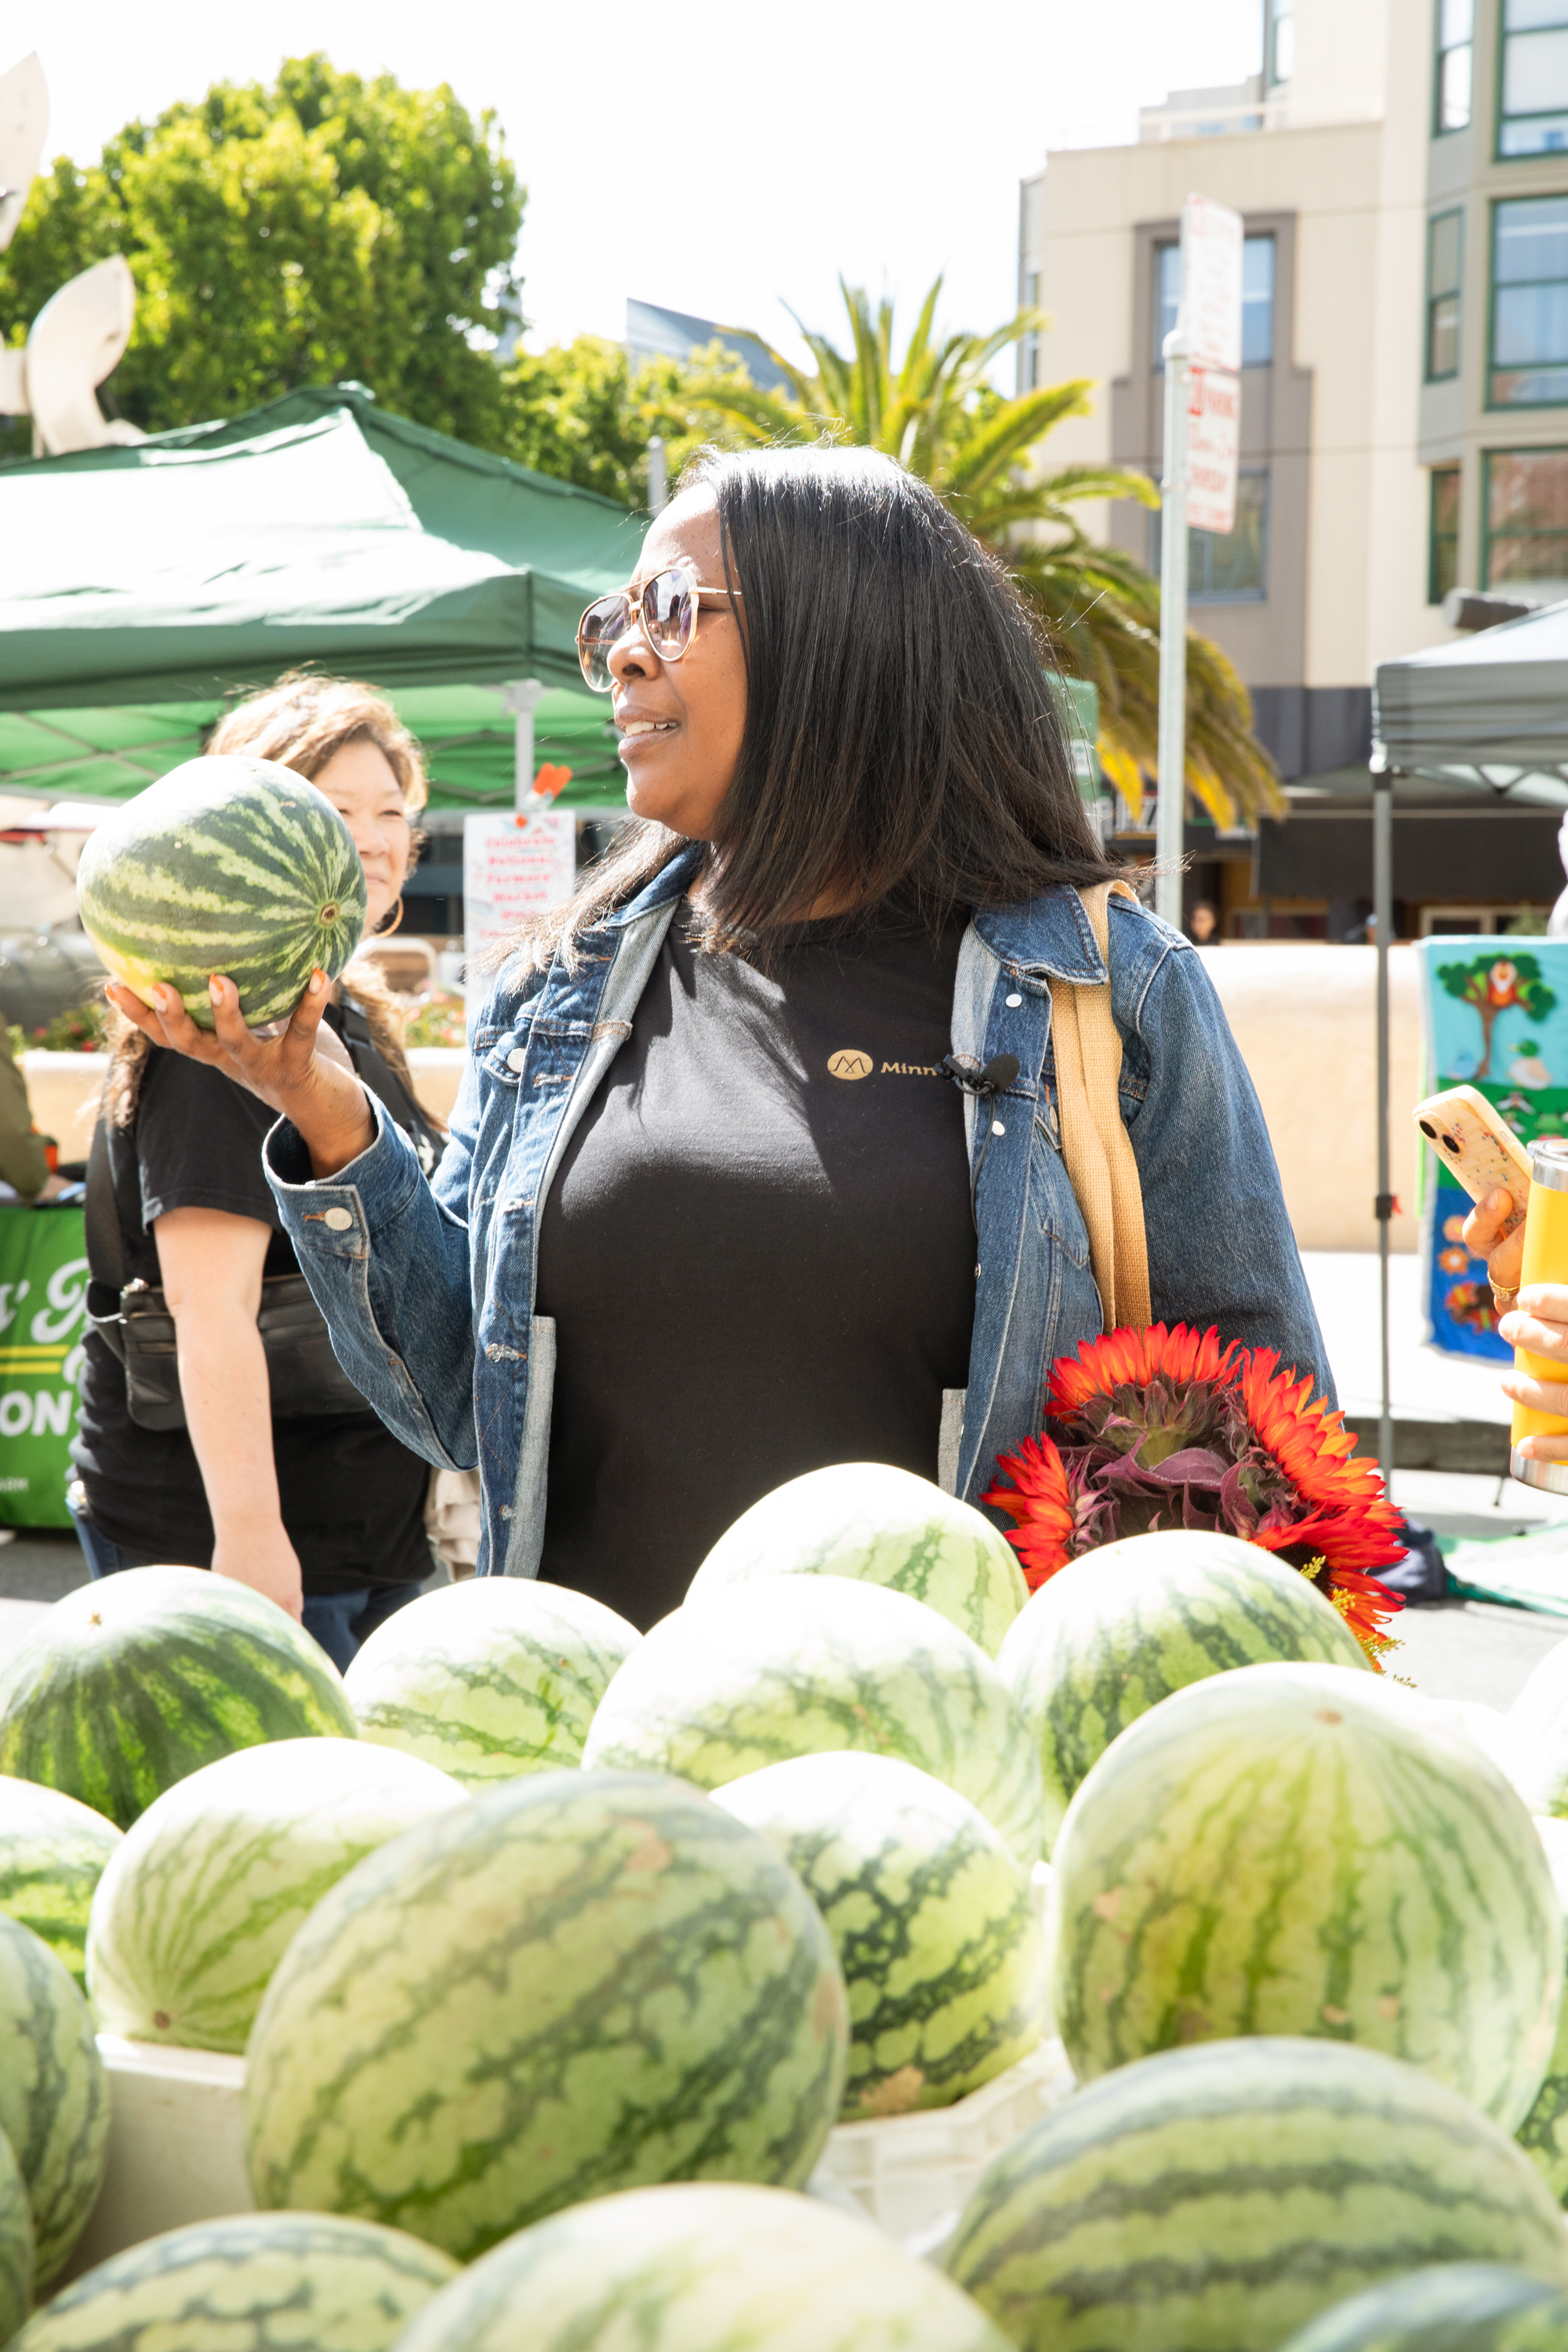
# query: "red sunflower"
1172,1429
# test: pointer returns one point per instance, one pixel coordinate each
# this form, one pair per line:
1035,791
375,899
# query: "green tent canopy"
141,587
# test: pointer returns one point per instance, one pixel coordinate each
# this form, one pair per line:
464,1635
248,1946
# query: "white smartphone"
1478,1144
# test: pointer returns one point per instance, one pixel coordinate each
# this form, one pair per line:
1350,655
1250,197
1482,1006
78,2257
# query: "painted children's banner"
42,1307
1496,1018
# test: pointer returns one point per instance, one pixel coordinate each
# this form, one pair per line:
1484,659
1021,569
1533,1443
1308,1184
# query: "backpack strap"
105,1243
1096,1147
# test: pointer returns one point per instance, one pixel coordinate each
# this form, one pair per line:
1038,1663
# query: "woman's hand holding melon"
304,1074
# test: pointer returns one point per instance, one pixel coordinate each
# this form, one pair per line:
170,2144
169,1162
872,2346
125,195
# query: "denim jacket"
428,1286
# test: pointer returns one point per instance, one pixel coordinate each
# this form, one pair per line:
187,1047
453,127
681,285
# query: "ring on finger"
1503,1297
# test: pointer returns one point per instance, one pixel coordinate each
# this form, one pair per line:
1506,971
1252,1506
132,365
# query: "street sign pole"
1170,804
1203,406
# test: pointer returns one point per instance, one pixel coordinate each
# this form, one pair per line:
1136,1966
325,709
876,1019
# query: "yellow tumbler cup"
1545,1260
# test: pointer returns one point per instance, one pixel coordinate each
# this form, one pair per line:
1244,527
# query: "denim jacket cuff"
370,1190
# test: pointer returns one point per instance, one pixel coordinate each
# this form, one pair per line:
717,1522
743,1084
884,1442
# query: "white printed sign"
513,873
1211,266
1213,448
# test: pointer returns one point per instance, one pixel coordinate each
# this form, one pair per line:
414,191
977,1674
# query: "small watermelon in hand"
228,864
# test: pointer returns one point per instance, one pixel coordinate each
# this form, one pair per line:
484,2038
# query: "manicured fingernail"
215,991
318,981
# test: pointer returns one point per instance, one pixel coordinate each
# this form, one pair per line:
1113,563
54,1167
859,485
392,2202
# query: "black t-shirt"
758,1249
353,1498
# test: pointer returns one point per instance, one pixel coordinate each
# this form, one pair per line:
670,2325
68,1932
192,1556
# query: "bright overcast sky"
697,157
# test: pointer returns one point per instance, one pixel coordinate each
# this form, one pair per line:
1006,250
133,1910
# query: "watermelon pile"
560,1952
228,864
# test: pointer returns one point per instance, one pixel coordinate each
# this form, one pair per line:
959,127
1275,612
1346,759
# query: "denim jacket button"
516,1059
338,1220
1015,1000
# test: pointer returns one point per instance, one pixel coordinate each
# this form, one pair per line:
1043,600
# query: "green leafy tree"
936,411
585,412
1494,984
322,228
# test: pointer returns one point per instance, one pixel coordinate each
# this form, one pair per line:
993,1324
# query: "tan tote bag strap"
1096,1146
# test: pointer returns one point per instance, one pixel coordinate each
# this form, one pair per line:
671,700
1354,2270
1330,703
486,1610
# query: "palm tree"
937,413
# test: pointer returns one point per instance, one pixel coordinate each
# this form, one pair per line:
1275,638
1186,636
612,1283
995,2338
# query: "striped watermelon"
1120,1629
929,1914
1217,2198
1448,2308
886,1527
791,1665
490,1678
54,2099
199,1905
1544,2134
710,2267
230,865
1539,1720
1297,1849
17,2258
129,1683
52,1854
258,2282
577,1982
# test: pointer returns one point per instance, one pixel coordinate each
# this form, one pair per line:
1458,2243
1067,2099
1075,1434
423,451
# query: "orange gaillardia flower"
1172,1429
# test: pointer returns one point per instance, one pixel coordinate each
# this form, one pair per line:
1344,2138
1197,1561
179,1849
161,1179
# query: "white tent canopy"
1488,711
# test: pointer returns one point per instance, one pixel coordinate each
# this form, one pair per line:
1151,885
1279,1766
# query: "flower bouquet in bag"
1161,1428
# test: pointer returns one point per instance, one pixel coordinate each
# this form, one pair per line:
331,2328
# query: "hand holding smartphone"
1476,1143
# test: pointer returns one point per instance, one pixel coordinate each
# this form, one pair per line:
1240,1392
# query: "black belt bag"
305,1377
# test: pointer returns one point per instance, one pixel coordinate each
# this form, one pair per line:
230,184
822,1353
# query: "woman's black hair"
903,742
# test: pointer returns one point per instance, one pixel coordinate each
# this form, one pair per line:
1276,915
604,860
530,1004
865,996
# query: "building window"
1532,104
1232,569
1256,300
1029,349
1525,516
1280,41
1443,247
1529,303
1451,96
1442,534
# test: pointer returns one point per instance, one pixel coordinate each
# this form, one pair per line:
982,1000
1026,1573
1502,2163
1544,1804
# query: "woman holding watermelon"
325,1516
758,1165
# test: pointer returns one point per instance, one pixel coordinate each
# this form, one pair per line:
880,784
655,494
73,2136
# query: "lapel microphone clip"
984,1084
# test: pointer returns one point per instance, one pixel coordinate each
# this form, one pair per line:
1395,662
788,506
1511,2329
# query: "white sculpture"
81,333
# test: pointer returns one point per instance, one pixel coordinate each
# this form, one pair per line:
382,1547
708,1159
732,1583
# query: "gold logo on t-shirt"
850,1063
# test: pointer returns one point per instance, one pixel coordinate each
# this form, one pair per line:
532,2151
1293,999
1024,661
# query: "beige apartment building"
1402,170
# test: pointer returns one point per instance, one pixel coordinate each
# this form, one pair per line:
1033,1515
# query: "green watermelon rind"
490,1678
1118,1629
1293,1849
316,2281
882,1526
54,2094
17,2259
702,2267
53,1852
931,1915
578,1982
792,1665
1227,2194
131,1683
232,864
202,1900
1448,2307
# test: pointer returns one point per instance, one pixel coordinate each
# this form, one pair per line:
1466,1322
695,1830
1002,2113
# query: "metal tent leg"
1382,912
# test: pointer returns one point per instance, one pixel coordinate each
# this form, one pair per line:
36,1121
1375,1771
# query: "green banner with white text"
42,1307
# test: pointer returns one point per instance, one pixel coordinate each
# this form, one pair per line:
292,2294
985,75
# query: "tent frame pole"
1383,916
